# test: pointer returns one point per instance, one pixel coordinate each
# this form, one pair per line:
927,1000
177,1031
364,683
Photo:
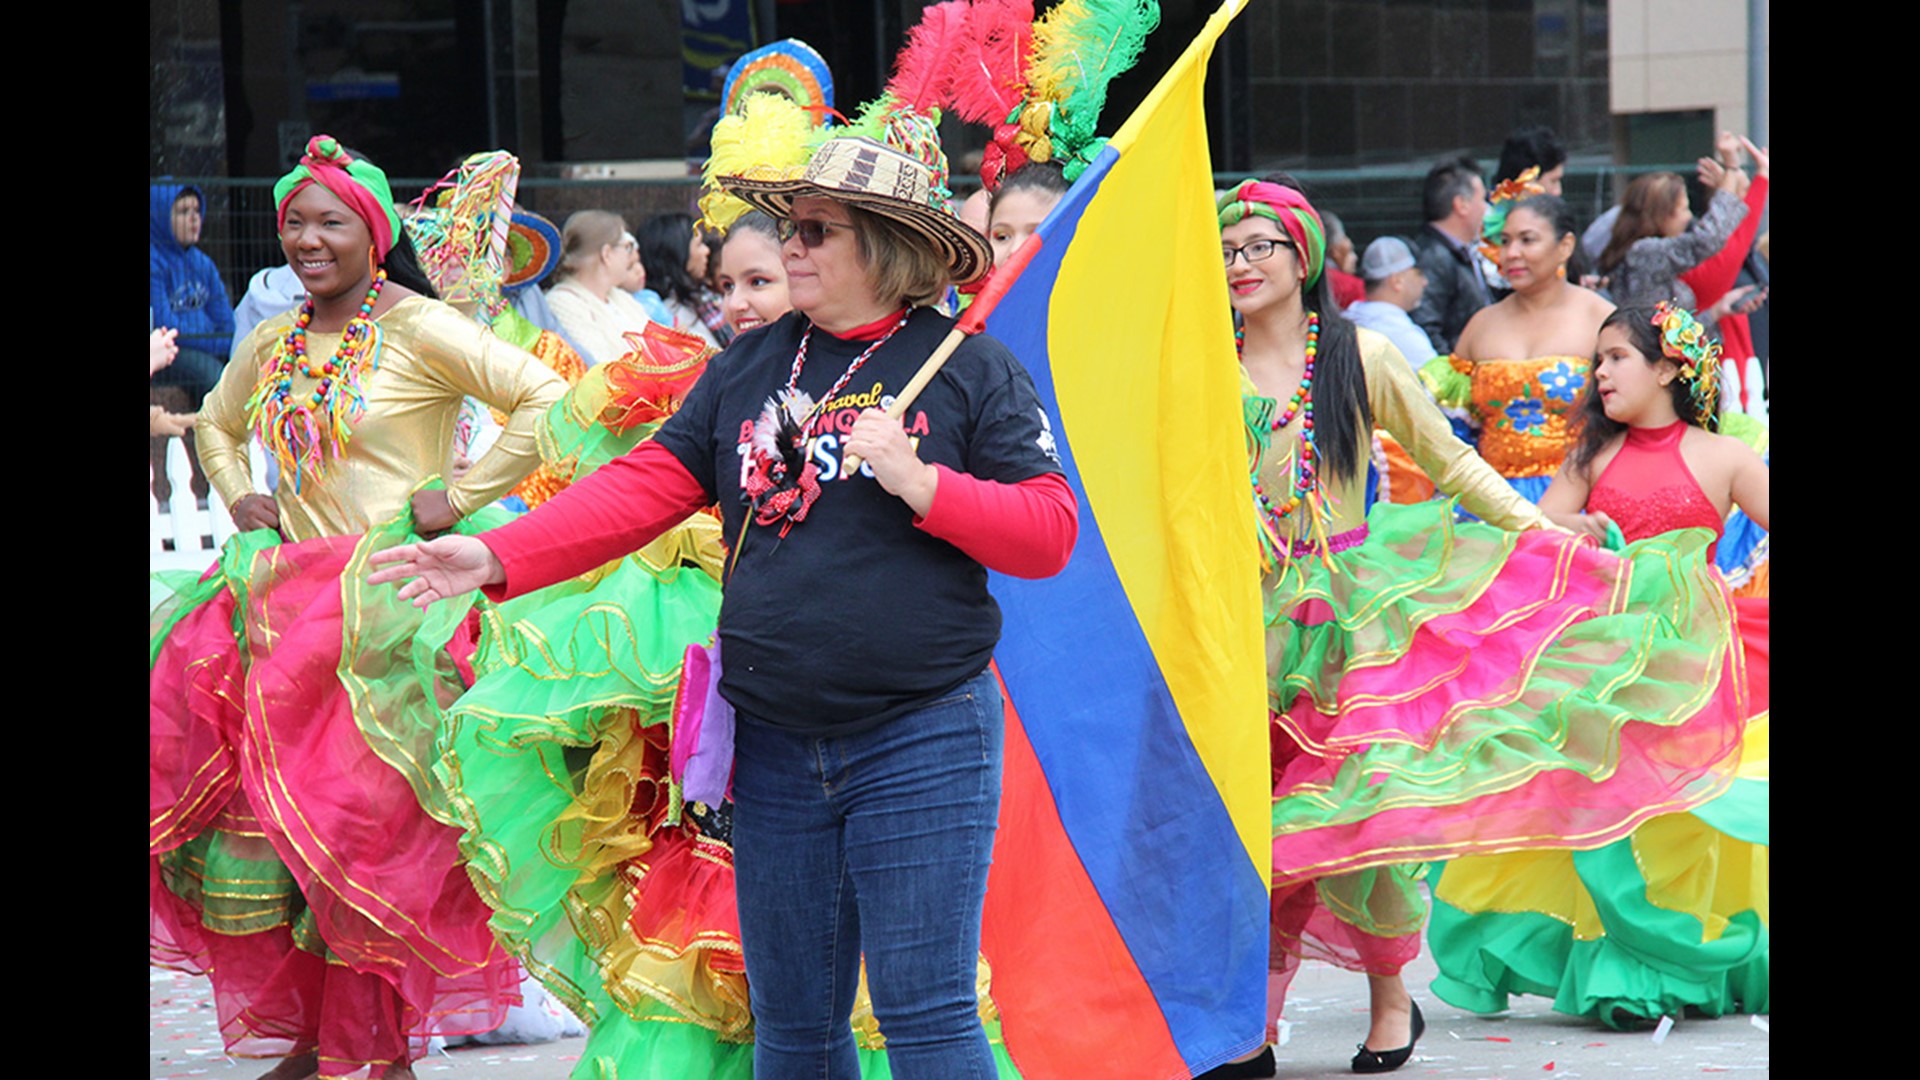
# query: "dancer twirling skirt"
292,708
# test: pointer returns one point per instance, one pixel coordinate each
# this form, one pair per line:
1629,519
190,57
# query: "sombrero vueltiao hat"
879,179
533,248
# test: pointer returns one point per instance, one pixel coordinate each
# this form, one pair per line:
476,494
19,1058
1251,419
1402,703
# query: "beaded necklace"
303,430
800,361
1306,463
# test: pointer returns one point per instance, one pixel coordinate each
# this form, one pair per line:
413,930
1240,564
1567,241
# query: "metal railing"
240,231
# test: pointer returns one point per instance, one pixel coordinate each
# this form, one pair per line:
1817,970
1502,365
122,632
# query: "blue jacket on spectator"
185,287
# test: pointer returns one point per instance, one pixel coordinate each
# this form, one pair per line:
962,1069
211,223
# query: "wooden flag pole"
971,322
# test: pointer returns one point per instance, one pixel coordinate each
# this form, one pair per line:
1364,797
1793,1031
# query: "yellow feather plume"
770,138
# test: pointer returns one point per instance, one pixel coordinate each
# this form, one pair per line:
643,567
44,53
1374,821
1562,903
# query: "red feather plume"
923,72
990,66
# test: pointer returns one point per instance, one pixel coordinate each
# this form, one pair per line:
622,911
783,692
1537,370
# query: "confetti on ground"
1285,1033
1548,1067
1498,1038
1760,1022
1590,1045
1660,1032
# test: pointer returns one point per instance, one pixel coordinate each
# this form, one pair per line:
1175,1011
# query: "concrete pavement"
1326,1010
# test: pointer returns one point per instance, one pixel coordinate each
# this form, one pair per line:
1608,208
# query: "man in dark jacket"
185,292
1455,202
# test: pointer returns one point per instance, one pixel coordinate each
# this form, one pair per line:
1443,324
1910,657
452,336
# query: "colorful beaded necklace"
800,361
1306,463
303,430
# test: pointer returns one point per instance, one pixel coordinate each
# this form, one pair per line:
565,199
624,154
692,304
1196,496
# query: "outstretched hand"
440,568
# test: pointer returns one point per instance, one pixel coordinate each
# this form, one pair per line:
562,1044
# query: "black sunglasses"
812,233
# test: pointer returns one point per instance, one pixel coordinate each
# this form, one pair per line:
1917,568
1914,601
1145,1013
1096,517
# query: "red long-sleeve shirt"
1026,529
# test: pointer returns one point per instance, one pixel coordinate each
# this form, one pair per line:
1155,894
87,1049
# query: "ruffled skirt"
293,856
1671,918
1442,690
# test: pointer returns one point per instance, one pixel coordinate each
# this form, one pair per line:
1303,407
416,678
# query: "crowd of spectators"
1419,290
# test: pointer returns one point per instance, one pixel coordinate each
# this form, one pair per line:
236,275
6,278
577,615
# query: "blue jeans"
877,842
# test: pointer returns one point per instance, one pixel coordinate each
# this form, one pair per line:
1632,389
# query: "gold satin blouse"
1402,407
431,357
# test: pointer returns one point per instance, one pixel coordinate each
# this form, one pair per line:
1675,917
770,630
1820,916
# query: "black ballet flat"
1251,1069
1380,1061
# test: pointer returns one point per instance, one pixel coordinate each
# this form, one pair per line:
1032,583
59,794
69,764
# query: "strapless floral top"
1525,409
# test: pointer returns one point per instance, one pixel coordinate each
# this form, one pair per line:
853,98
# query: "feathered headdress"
923,71
1685,342
1078,48
1039,86
770,138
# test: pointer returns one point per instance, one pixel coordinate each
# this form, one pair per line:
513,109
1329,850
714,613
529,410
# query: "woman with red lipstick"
294,856
1673,917
1521,364
1423,675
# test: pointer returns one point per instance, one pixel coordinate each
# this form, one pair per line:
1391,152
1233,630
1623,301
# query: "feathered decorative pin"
780,482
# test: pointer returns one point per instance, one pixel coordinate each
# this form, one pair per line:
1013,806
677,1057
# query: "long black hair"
1593,428
1342,415
665,240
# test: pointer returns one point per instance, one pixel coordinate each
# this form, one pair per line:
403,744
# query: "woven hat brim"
965,251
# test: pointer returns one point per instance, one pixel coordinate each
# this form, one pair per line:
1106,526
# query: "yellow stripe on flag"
1149,388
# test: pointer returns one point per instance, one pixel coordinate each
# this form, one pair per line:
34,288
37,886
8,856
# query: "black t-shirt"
855,616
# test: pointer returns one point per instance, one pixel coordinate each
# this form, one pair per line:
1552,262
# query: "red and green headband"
1287,208
360,184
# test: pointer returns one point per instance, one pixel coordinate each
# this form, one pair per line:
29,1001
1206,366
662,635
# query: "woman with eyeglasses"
856,626
1423,675
597,255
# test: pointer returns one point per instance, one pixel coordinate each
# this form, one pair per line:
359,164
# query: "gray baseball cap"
1385,257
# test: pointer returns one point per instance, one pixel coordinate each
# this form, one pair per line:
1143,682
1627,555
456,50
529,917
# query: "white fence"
196,534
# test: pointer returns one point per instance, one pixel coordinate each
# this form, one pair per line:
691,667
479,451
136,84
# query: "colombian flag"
1126,918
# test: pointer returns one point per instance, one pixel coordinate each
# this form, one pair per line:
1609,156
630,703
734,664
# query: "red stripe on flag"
1068,990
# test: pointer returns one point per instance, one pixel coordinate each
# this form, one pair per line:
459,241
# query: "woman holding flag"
1436,689
856,625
